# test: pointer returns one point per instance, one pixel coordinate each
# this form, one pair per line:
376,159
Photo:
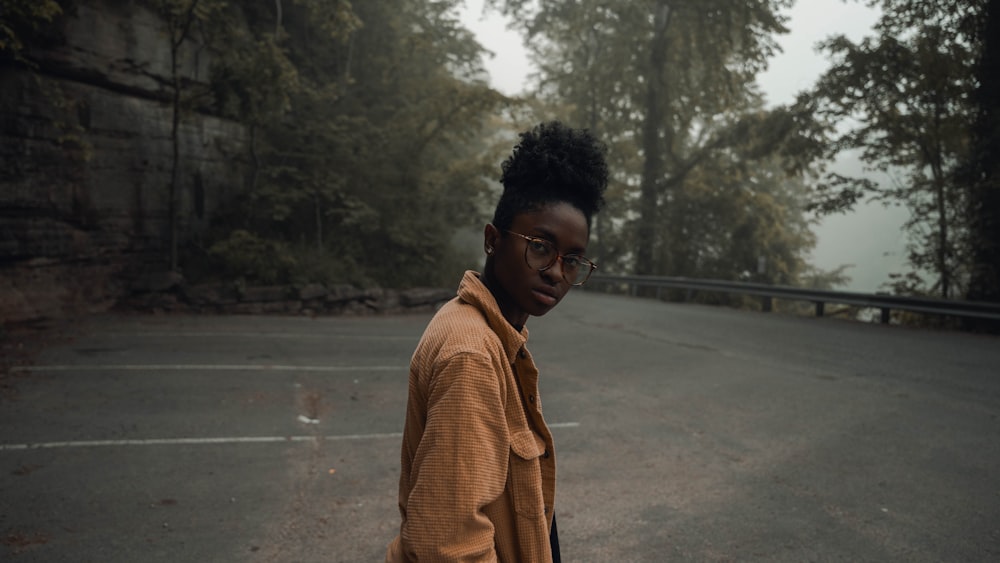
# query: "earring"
489,250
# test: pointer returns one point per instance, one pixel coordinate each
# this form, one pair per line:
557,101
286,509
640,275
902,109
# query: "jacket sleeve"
460,465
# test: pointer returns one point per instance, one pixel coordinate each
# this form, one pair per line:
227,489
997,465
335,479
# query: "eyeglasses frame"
559,257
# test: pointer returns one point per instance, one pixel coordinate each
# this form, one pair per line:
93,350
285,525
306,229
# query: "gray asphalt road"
684,433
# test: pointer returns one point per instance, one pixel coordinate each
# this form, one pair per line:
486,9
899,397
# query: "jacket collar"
472,291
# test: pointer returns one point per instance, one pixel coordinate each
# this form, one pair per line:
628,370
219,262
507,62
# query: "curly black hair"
552,163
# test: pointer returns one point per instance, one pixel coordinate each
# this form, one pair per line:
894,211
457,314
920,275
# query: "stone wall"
85,161
166,293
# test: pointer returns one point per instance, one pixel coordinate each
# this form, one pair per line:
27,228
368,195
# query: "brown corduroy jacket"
478,471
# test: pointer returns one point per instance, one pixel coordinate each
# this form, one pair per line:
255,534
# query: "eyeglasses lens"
541,255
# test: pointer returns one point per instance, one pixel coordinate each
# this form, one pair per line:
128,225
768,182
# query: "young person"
478,472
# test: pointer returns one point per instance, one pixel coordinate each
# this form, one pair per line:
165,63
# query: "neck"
508,309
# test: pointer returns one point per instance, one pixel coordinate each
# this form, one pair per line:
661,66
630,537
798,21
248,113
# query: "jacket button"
531,399
521,354
546,454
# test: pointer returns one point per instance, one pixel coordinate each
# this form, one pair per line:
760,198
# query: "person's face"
525,290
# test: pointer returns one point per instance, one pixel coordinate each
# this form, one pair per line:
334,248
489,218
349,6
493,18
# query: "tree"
180,18
984,166
669,86
368,121
254,80
903,98
573,47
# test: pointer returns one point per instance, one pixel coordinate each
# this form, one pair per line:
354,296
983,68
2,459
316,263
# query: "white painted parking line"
203,367
564,425
277,335
193,441
222,440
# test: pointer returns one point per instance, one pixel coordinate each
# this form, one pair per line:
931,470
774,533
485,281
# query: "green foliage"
814,278
335,19
28,24
243,255
23,19
254,79
367,142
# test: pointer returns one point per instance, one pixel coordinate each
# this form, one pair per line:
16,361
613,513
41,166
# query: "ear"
491,237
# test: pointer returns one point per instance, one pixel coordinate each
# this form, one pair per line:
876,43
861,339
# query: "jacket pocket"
526,473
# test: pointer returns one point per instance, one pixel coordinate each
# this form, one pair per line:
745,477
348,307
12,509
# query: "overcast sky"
868,238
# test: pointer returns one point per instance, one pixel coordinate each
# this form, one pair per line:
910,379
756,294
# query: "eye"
571,262
539,246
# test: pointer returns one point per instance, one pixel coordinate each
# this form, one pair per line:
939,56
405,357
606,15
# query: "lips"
546,296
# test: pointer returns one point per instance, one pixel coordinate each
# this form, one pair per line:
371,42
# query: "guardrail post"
819,308
885,315
765,304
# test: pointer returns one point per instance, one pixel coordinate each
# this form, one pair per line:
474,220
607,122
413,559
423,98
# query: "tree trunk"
175,162
319,222
599,234
941,255
653,161
178,34
277,19
251,186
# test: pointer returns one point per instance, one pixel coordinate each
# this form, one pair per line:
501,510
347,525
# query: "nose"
555,271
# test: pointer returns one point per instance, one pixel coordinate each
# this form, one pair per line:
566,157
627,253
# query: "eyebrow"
549,236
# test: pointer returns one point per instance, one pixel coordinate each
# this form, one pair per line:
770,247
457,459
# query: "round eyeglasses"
541,255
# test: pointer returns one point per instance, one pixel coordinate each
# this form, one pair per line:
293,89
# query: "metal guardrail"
820,297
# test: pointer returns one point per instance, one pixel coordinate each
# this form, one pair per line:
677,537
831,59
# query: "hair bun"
553,163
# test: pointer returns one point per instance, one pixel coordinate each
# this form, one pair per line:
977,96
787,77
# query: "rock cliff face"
85,161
